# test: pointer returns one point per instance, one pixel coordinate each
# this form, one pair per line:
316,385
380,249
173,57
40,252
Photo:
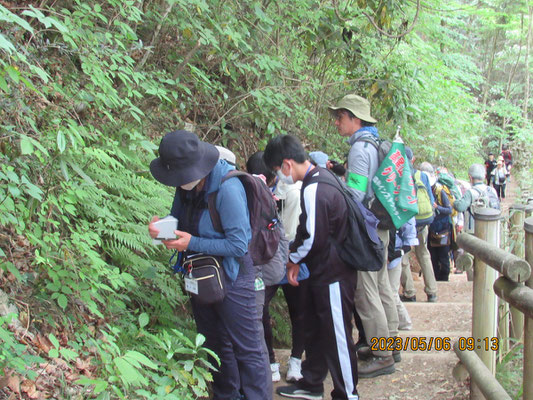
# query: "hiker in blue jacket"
230,327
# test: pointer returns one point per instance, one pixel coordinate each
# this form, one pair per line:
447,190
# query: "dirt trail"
424,375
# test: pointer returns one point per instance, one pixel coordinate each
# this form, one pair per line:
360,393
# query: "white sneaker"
295,370
274,368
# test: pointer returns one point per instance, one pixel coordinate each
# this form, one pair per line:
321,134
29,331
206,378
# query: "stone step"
457,290
430,371
440,317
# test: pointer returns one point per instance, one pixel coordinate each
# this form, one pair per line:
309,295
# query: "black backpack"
362,249
383,147
263,216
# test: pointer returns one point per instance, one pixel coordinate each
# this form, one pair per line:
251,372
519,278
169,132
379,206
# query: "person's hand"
152,230
459,228
292,273
435,205
181,243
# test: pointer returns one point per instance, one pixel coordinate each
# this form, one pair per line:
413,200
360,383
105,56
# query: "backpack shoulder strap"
212,200
369,139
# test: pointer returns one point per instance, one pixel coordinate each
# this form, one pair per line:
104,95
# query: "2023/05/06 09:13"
423,343
472,343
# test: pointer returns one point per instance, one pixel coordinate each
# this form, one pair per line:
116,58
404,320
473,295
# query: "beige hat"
359,106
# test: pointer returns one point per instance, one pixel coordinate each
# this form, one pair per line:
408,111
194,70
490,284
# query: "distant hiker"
328,315
230,327
440,231
374,299
499,178
479,192
507,157
426,214
490,164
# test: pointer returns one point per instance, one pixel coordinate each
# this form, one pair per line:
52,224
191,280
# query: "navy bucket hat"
183,158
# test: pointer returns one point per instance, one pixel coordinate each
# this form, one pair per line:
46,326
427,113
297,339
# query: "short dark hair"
256,165
283,147
366,123
351,115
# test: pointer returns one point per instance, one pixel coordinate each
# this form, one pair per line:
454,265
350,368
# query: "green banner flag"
394,186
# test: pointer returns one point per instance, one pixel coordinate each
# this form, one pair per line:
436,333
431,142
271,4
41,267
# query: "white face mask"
285,179
191,185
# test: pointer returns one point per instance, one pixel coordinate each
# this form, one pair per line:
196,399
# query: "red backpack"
264,220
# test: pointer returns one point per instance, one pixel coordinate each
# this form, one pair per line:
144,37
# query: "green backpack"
425,208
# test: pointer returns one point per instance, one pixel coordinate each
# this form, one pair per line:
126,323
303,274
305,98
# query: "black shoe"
295,392
364,354
396,355
407,299
432,298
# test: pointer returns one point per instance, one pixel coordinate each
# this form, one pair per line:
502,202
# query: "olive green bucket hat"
359,106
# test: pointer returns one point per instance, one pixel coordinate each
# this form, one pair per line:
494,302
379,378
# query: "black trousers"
328,341
296,298
500,190
440,258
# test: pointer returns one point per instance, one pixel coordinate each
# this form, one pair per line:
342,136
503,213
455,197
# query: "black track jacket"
323,218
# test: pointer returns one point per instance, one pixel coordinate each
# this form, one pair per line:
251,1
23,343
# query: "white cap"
226,154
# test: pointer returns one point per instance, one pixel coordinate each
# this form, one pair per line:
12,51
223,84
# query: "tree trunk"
513,72
490,67
528,47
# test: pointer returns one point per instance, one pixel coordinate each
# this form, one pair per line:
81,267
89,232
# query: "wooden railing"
497,274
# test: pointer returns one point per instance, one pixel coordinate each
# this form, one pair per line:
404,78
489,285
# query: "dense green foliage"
88,88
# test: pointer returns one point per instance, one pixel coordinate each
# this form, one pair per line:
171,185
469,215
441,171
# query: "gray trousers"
374,301
394,278
424,259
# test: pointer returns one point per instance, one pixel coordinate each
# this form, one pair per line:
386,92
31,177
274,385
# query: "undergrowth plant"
74,184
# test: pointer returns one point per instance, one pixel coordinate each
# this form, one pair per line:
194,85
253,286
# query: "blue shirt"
232,206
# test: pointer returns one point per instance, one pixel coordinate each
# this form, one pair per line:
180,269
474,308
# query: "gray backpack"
274,270
486,198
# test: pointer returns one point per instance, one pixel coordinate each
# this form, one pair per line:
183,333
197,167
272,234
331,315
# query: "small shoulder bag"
204,278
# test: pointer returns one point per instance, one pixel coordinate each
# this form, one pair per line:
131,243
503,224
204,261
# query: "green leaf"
200,339
127,373
62,301
188,365
54,340
3,85
10,267
6,44
143,320
39,71
80,172
13,74
135,355
61,142
26,146
68,354
6,15
64,170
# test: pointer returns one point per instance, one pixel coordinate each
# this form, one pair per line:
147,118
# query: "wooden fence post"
516,217
529,210
485,304
528,331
